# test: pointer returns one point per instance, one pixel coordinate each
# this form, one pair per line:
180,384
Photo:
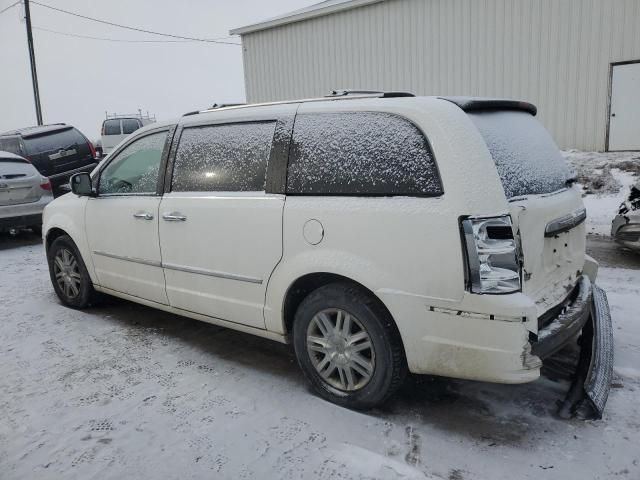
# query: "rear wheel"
69,275
348,347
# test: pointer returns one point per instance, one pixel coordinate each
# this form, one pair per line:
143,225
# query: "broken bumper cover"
600,369
567,325
589,316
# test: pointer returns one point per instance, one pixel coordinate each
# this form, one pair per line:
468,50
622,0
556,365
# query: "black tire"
389,364
85,295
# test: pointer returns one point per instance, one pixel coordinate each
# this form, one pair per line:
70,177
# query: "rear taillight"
92,149
45,184
492,255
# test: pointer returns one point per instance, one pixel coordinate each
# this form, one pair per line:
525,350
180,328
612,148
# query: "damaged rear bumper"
587,315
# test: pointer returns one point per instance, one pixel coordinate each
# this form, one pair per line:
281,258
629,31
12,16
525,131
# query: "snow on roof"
317,10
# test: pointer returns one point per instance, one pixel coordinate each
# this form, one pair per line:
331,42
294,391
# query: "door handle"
143,215
174,217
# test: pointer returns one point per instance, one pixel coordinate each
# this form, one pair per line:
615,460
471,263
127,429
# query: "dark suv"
57,151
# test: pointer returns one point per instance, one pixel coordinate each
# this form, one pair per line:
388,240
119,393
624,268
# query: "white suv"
379,233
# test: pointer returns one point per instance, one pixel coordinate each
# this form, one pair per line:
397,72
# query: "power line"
10,6
76,35
181,37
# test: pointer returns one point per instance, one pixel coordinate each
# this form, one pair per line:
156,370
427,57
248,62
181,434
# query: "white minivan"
379,233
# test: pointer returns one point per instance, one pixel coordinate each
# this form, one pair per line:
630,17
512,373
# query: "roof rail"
215,106
345,92
223,105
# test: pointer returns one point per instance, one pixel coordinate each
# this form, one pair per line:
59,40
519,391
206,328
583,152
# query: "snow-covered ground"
123,391
606,179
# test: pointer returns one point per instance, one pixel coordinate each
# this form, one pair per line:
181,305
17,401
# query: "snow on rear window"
527,158
360,153
223,158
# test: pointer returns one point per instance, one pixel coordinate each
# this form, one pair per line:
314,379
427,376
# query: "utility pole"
32,58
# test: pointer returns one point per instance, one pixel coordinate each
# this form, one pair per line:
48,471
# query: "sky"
81,79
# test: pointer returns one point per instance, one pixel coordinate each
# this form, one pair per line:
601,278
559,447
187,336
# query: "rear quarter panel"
399,245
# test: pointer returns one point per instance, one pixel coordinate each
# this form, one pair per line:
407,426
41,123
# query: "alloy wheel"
340,349
67,272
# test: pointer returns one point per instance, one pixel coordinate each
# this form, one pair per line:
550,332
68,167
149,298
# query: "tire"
326,352
65,259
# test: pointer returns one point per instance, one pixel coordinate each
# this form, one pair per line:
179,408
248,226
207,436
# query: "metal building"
577,60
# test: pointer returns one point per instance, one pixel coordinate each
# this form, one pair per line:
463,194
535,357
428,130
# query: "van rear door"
547,210
221,221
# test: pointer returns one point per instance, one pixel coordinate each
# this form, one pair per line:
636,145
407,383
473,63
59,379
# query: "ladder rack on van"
140,115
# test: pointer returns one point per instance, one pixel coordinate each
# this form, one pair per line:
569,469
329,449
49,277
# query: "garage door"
624,122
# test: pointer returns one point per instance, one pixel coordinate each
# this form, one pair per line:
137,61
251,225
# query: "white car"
23,193
379,233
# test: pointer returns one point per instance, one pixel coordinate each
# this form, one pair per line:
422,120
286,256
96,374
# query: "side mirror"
81,184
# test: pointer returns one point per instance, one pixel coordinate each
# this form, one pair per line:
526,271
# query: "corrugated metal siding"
554,53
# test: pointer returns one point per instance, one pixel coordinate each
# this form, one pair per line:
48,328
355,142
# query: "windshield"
527,158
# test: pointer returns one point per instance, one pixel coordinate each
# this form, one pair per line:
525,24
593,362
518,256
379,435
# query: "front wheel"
348,347
69,274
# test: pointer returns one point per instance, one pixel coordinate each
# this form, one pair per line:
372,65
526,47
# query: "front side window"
130,125
135,169
360,153
223,158
111,127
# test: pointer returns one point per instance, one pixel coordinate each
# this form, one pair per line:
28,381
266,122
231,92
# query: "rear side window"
130,125
11,144
111,127
360,153
527,158
223,158
52,142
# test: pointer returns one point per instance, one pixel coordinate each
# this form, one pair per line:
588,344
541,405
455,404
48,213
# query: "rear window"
360,153
130,125
223,158
527,159
111,127
11,144
61,139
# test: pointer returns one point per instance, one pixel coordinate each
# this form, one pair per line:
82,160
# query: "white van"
379,233
116,128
